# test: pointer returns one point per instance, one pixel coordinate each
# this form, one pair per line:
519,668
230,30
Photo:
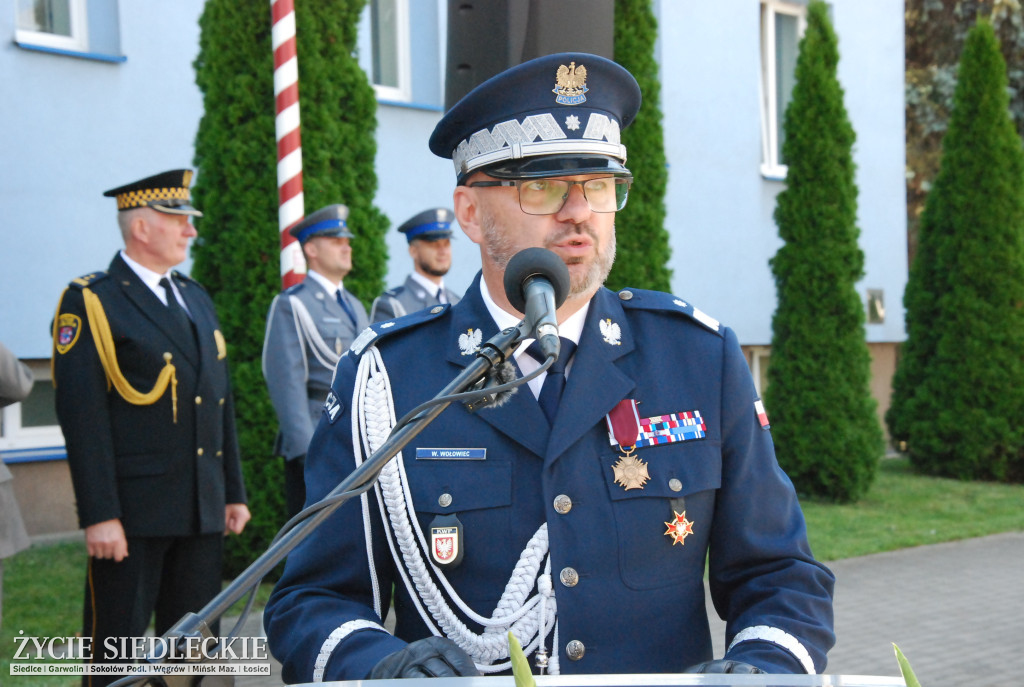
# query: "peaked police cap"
327,221
556,115
165,192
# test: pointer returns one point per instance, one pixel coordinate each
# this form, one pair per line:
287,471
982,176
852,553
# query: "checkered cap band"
143,197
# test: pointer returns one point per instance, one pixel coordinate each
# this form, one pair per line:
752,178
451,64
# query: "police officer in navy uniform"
309,326
144,401
582,527
429,236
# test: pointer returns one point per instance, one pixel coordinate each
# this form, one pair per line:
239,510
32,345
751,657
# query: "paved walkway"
956,611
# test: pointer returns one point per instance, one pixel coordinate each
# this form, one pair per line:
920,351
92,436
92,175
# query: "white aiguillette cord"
528,617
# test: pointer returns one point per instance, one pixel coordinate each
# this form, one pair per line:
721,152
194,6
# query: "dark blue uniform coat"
134,462
638,605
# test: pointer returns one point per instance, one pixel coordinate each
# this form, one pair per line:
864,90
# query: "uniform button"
444,500
569,577
436,309
575,650
626,295
563,504
220,453
222,401
199,452
199,400
675,485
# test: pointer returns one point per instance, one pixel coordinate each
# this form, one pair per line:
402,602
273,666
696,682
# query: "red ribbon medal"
624,424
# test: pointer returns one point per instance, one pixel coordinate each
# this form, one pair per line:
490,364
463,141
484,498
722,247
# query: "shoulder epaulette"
394,292
295,288
87,279
379,330
642,299
187,279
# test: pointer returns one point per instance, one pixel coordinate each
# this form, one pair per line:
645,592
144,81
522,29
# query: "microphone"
536,284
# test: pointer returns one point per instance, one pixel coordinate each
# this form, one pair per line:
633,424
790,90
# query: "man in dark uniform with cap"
580,524
429,236
309,326
144,401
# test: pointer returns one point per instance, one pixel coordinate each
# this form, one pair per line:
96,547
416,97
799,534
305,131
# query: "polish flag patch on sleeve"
762,416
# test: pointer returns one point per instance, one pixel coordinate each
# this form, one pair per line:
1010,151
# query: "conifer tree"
236,256
827,436
958,393
642,249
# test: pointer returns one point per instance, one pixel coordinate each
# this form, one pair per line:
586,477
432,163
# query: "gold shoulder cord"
104,341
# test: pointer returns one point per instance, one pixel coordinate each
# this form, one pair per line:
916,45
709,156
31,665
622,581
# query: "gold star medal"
623,430
679,528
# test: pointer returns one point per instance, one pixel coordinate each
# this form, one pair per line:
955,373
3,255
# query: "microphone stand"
194,628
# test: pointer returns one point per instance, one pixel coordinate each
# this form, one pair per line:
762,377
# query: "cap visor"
556,165
179,210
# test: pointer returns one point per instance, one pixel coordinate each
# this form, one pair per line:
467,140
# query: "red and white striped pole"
289,143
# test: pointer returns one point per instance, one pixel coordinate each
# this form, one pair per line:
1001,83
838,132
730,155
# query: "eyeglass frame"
582,184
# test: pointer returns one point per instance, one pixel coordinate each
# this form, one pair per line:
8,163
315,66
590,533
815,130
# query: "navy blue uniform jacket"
638,605
134,462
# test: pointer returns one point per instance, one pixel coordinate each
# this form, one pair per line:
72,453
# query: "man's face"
164,239
331,256
584,239
431,258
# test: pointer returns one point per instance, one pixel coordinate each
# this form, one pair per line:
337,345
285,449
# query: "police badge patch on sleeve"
332,407
68,328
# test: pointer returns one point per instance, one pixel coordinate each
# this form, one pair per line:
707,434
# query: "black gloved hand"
724,666
430,657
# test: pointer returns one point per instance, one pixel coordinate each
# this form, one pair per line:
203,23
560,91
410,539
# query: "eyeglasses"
548,196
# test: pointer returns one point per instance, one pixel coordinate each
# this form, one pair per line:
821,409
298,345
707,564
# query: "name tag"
451,453
332,320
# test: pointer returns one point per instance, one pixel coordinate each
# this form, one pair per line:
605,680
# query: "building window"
758,358
29,429
389,49
782,25
58,24
876,306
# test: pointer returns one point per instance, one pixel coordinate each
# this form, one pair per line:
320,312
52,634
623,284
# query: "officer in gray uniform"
429,235
309,326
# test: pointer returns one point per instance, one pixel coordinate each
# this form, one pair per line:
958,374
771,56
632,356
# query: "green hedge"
826,433
642,248
958,392
237,254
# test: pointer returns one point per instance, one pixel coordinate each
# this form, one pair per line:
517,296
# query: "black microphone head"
535,262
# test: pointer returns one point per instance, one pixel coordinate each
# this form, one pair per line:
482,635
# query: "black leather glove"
724,666
430,657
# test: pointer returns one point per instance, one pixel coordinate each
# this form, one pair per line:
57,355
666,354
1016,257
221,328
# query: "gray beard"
499,249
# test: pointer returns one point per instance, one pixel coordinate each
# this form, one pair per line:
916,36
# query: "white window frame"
771,166
78,41
760,359
14,436
403,91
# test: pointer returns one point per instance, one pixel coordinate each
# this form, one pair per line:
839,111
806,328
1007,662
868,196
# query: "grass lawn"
43,586
903,509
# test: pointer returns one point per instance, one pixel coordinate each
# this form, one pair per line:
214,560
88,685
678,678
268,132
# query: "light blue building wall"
77,125
74,127
719,203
